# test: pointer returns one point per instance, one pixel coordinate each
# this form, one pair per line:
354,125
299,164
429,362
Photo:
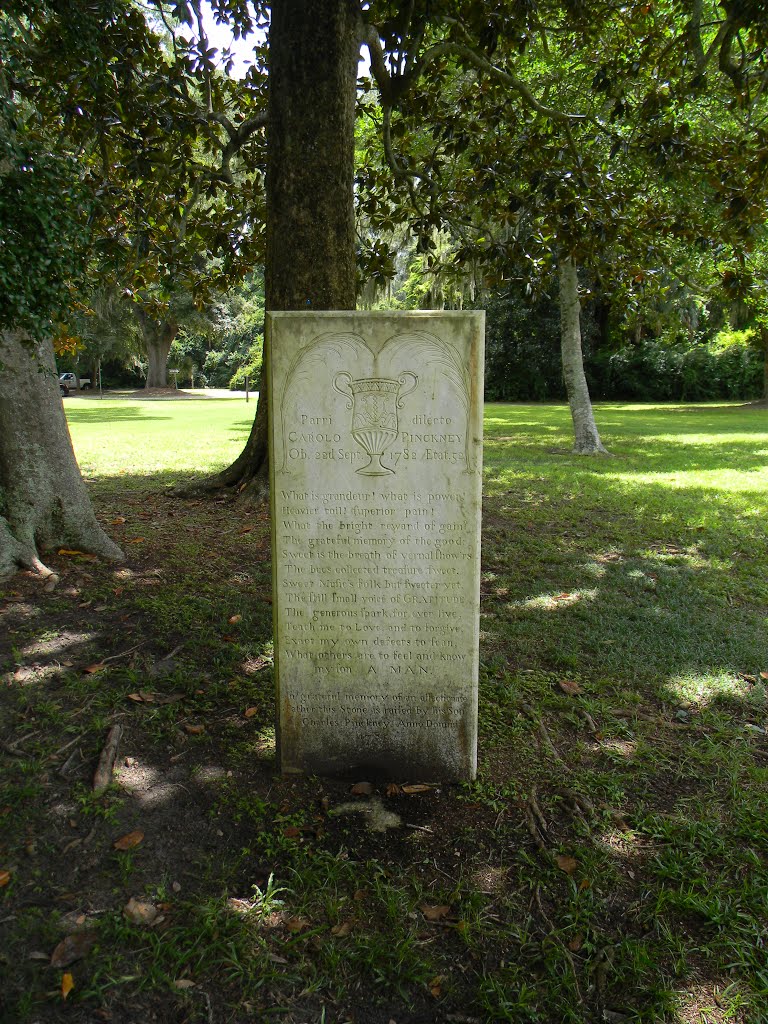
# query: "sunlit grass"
124,437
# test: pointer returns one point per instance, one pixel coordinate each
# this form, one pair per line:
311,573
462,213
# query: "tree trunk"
587,439
314,47
158,337
43,500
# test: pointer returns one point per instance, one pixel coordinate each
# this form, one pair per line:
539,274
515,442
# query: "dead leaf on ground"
229,638
416,787
5,877
245,529
233,620
436,986
569,686
140,911
135,540
342,930
362,789
194,730
576,943
73,553
129,840
67,984
764,675
90,670
250,712
73,947
118,521
566,863
435,913
184,983
291,832
297,924
392,789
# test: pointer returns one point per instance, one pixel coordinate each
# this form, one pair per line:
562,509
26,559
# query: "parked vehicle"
70,381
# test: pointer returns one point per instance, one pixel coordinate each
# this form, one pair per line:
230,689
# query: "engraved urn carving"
374,402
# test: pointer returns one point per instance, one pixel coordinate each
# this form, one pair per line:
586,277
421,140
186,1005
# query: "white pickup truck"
69,380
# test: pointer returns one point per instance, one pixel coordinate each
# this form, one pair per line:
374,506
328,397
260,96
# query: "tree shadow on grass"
112,414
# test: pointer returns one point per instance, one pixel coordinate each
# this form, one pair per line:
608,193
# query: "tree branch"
505,77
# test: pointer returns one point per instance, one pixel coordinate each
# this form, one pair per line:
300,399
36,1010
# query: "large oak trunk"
157,336
586,437
43,500
314,47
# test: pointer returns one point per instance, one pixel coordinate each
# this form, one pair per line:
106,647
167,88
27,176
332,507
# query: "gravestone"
376,457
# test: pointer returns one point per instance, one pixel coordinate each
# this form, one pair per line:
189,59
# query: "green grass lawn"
610,862
157,439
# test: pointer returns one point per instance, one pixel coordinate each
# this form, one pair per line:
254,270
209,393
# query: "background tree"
47,205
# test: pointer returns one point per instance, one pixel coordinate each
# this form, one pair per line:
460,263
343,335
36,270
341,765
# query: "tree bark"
43,500
158,337
586,437
314,47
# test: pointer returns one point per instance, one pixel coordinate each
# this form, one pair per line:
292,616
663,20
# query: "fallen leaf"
764,675
194,730
129,840
436,986
245,529
416,787
584,884
184,983
90,670
342,930
67,984
229,638
140,911
119,521
359,894
434,913
361,789
147,695
297,924
250,712
569,687
576,943
5,877
73,947
135,540
234,619
71,552
291,832
566,863
137,697
392,789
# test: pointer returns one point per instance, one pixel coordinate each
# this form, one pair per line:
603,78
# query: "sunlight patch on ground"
701,690
490,880
721,480
555,601
58,645
621,748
